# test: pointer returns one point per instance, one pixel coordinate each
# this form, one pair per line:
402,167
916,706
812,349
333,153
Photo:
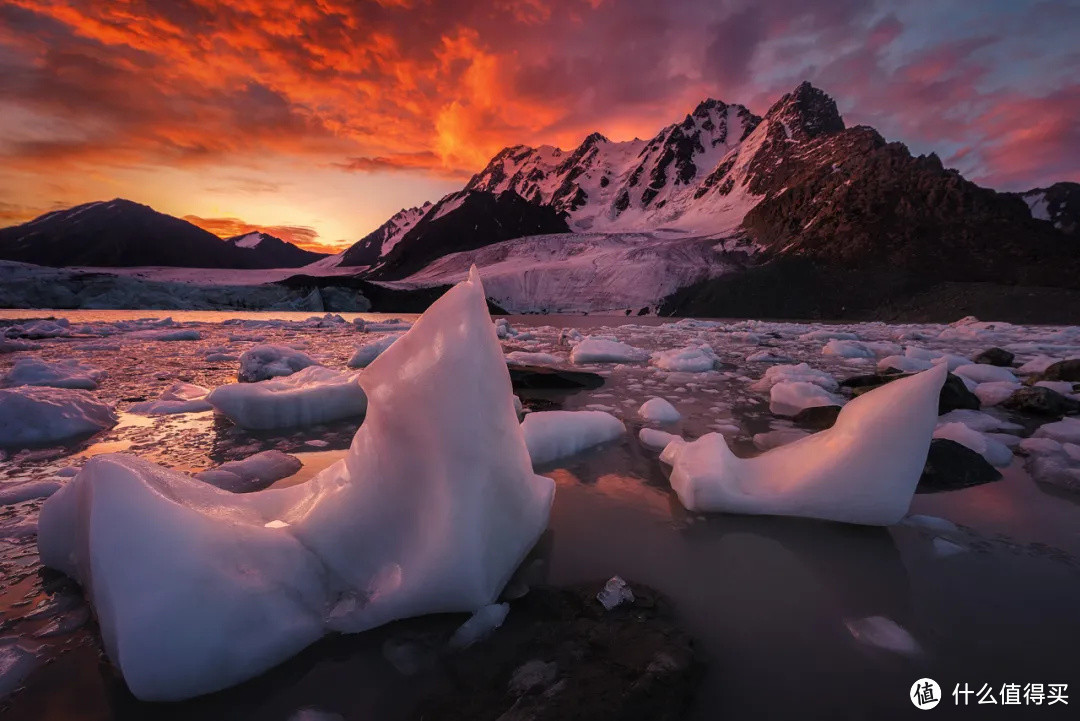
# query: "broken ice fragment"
615,592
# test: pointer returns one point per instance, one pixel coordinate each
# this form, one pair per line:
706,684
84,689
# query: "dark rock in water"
817,417
951,466
561,655
1066,370
870,380
1041,401
544,378
995,357
954,395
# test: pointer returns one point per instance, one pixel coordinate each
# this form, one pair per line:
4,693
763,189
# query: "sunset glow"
318,120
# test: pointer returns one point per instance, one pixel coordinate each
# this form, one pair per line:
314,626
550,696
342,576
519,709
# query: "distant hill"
120,233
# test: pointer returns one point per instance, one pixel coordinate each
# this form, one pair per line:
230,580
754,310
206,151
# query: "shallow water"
772,602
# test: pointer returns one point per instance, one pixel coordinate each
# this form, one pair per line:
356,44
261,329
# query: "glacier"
431,510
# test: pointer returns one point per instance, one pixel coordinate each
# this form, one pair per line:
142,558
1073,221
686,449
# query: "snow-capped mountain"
1059,204
268,251
120,233
794,185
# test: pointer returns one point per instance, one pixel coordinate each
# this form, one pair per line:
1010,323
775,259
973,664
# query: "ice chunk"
847,349
801,373
883,633
252,473
313,395
862,470
768,356
991,394
1062,387
61,374
27,491
979,420
480,625
519,357
1067,430
196,588
368,352
551,435
262,362
655,439
904,363
167,335
180,397
34,415
788,398
614,593
693,359
985,373
659,410
603,350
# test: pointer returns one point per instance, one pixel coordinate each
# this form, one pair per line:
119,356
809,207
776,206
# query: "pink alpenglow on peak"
862,470
431,511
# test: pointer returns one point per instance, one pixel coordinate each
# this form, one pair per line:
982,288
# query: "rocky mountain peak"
806,113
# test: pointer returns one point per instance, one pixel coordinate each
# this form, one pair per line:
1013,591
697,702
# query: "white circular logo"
925,694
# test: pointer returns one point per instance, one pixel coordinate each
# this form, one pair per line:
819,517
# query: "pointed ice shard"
196,589
862,470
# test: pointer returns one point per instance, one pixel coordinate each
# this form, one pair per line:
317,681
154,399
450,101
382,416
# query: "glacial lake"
776,605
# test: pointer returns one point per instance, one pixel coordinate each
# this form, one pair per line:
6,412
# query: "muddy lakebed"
983,582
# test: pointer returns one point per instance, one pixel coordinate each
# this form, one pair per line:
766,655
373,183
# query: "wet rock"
995,357
530,377
561,655
954,394
1066,370
817,418
951,466
1041,401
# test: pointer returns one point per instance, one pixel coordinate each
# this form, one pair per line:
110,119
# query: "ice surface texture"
862,470
431,510
34,415
315,394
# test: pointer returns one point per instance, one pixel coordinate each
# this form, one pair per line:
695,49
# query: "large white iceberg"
431,511
313,395
862,470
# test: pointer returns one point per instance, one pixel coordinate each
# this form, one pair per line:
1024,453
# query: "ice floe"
35,415
263,362
659,410
551,435
313,395
604,350
862,470
180,397
68,373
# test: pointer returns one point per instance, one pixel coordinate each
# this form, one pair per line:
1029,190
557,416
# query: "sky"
318,120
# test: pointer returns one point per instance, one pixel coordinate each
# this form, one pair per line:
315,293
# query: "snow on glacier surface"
425,514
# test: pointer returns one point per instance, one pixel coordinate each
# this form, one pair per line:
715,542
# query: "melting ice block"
862,470
313,395
36,414
69,373
431,511
551,435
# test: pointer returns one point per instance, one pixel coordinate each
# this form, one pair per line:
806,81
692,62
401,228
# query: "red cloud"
299,235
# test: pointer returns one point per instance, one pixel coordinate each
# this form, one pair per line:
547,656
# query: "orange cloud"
299,235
